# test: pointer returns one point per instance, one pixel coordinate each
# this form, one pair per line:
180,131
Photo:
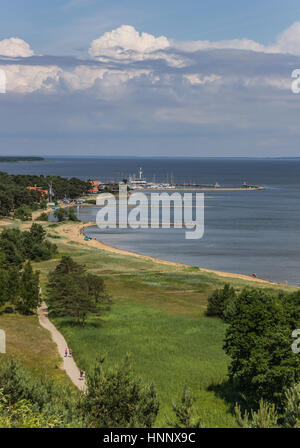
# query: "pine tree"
29,290
184,411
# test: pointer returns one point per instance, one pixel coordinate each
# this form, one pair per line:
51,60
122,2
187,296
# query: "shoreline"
76,231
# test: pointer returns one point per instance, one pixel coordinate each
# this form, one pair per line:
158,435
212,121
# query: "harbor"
140,183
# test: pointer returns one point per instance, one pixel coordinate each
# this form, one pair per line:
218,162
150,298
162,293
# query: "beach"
75,232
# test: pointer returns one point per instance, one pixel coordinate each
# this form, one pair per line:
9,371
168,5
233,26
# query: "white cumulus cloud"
126,42
14,48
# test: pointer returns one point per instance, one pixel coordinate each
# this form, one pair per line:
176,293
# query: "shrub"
43,217
24,213
265,417
184,412
222,303
292,409
117,399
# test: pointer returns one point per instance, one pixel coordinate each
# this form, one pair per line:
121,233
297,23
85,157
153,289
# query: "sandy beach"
75,232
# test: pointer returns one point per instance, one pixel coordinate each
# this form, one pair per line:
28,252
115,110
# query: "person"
70,352
66,352
254,274
81,374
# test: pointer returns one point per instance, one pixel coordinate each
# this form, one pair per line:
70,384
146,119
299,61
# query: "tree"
36,247
4,285
44,204
265,417
11,246
43,217
72,292
222,302
24,213
67,266
184,412
292,408
29,290
60,214
258,341
71,215
117,399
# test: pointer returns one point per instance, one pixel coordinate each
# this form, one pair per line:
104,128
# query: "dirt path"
69,364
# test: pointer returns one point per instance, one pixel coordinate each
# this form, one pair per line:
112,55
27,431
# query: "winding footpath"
69,364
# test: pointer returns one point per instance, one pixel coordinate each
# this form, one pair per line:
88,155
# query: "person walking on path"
66,352
70,352
69,364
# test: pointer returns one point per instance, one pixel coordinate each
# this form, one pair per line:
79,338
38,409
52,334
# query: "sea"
245,232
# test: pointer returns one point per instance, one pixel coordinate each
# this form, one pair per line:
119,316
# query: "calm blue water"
245,232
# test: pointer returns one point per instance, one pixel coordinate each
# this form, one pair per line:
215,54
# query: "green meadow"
157,317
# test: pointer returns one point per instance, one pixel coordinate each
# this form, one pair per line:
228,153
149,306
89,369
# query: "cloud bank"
147,90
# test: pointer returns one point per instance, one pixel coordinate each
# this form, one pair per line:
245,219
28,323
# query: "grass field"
157,316
27,341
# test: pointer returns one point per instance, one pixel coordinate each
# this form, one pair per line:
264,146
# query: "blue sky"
41,21
208,78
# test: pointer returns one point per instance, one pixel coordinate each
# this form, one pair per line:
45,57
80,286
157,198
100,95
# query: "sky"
149,78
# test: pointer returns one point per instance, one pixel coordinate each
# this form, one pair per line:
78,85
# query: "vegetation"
43,217
74,293
62,214
265,417
292,409
38,398
21,415
14,159
24,213
258,341
19,283
159,315
14,194
222,303
117,399
184,412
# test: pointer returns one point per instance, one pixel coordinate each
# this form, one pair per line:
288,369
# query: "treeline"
13,159
14,193
264,372
19,283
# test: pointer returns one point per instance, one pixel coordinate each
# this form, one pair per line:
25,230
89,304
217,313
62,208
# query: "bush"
43,217
44,396
24,213
117,399
184,412
222,303
292,409
265,417
21,415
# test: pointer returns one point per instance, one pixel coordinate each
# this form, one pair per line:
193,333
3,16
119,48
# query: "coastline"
75,232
